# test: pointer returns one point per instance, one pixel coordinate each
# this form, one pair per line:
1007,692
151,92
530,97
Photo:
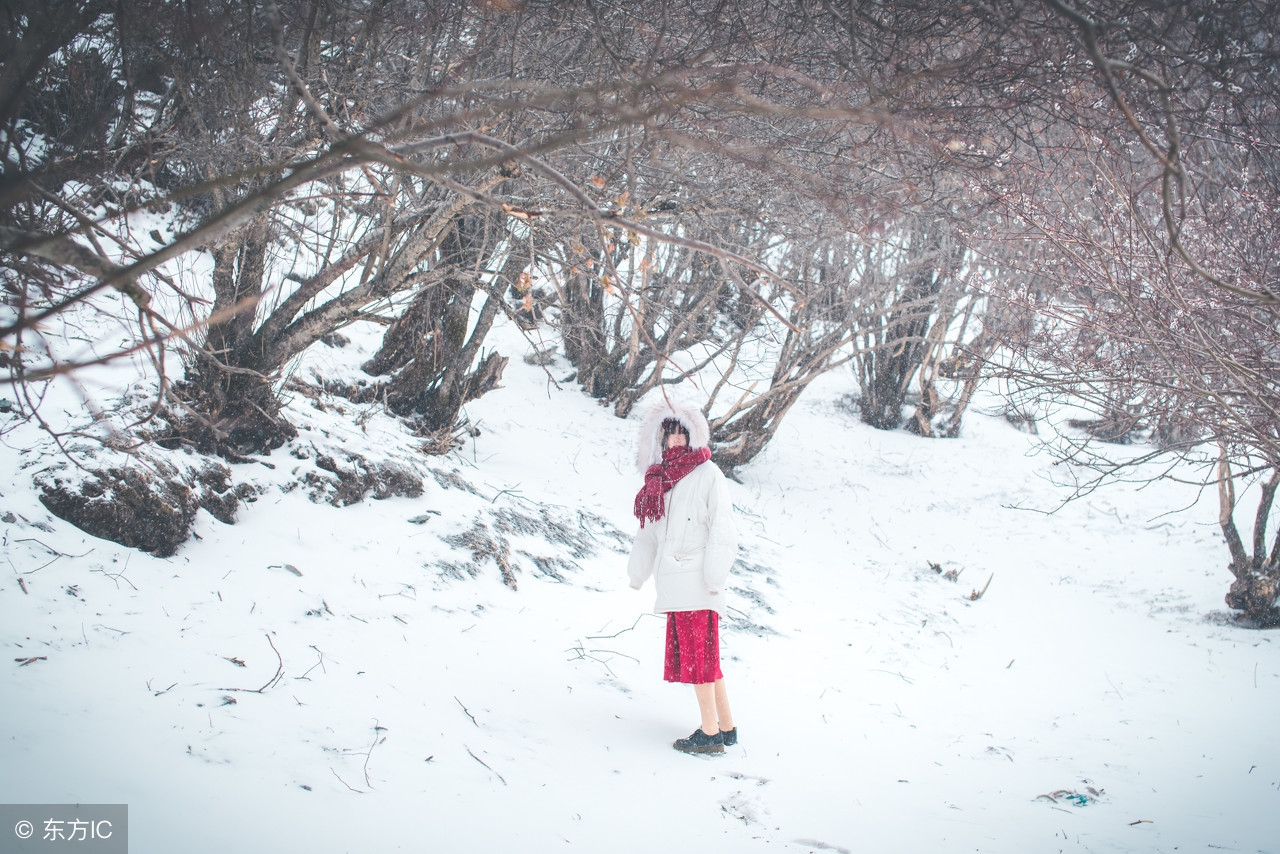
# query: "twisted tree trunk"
428,352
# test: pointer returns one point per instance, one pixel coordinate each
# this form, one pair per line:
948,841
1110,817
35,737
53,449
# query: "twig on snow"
369,755
57,554
584,653
619,632
513,491
893,673
319,663
274,679
116,576
485,764
464,708
345,783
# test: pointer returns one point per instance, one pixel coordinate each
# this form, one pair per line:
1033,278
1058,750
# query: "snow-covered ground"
333,680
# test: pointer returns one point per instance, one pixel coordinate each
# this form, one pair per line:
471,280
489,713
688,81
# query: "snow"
1096,698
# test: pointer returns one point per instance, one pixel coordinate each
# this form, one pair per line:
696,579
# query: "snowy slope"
1094,699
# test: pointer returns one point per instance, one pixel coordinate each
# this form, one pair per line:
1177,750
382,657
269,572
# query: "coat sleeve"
722,536
643,552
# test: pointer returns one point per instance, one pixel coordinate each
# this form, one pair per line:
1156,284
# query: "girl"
687,541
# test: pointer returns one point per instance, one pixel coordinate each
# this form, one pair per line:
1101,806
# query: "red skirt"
693,647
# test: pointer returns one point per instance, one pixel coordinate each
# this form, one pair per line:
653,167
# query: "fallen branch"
26,661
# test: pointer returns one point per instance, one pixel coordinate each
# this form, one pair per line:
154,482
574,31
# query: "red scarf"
658,480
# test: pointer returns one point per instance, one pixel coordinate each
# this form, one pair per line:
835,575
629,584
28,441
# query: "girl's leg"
706,694
723,714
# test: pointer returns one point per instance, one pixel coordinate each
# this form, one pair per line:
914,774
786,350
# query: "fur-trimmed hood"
649,445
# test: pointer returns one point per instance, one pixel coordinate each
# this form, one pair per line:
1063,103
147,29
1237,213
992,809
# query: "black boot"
729,736
700,742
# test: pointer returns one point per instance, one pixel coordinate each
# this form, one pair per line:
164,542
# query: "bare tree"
1166,354
899,183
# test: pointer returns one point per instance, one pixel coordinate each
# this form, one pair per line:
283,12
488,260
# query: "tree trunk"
428,351
892,367
228,393
738,441
582,330
1256,588
885,371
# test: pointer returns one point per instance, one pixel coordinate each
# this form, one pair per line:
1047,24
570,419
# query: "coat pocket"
679,564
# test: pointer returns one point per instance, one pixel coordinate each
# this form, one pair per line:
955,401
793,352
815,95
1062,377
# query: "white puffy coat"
690,550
